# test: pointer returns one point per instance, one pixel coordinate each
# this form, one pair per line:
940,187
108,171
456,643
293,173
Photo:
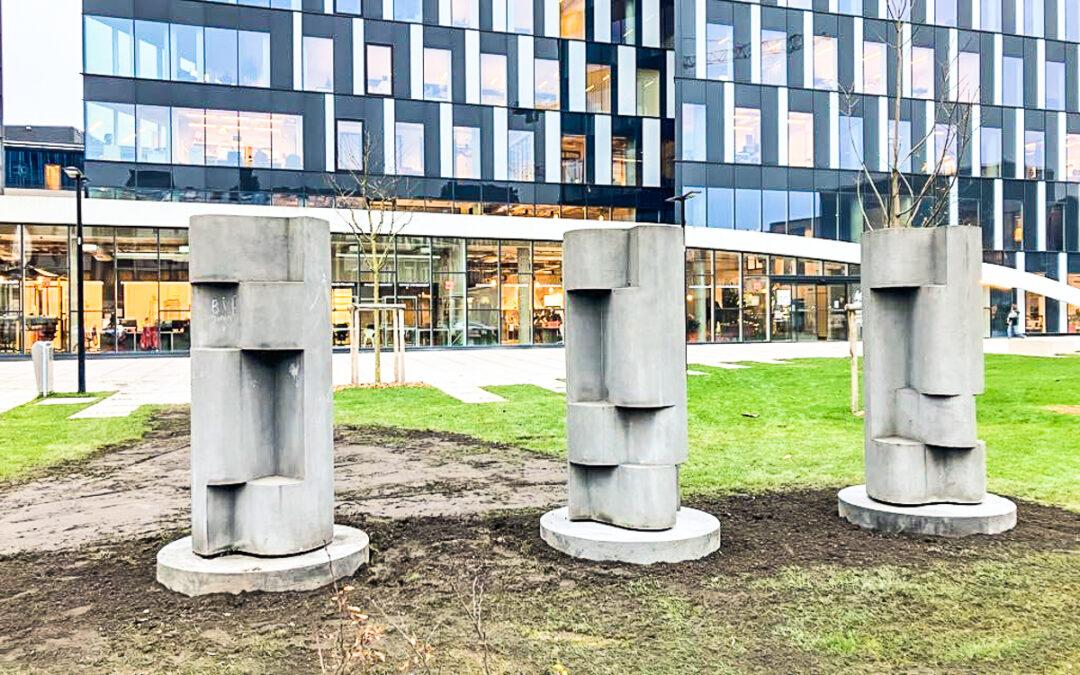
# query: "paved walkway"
463,374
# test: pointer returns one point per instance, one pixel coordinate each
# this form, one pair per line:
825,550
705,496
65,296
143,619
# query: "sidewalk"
463,373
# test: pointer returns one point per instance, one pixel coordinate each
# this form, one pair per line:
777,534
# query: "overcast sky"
42,41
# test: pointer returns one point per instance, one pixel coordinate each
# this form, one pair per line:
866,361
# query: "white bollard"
42,354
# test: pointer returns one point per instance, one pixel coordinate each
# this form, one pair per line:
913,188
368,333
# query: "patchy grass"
34,436
800,434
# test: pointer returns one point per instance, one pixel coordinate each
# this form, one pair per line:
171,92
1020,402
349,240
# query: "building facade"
500,123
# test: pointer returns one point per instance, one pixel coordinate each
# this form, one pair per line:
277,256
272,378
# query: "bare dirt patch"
1064,409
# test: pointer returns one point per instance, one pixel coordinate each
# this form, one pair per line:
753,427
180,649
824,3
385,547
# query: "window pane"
110,131
350,145
945,12
409,148
154,126
255,140
991,15
465,13
222,138
1055,85
851,142
220,56
747,136
573,19
648,92
467,152
189,136
748,210
548,79
824,62
254,58
151,50
287,141
318,64
967,85
1012,81
694,132
1034,153
774,57
519,16
874,59
598,88
922,72
437,74
990,152
409,10
380,78
719,51
1033,17
800,139
109,46
573,159
520,155
1072,157
349,6
187,53
493,79
624,161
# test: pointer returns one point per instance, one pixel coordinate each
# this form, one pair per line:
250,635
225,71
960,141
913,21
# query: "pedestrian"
1012,323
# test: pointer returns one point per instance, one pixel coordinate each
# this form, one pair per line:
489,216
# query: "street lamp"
76,174
681,201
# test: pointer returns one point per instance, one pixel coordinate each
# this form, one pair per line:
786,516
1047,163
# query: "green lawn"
34,436
770,426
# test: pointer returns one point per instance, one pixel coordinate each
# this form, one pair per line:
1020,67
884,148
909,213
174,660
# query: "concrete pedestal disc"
993,515
695,535
181,570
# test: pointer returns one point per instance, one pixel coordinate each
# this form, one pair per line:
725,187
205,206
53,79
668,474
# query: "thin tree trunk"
376,342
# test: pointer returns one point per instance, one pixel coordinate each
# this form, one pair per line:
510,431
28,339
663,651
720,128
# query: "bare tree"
921,197
370,205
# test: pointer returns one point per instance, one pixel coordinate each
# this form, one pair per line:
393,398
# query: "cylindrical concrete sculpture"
626,400
923,367
261,411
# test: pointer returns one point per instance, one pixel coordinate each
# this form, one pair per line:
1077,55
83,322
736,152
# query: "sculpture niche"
922,338
261,407
626,400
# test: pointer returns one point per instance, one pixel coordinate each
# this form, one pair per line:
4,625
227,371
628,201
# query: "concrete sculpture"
261,413
626,401
923,367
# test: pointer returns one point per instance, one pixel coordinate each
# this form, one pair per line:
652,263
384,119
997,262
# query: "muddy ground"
446,514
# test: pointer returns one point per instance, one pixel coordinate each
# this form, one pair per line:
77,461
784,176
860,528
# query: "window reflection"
409,148
774,57
318,64
151,49
598,88
747,125
547,84
825,73
379,64
800,139
648,92
493,79
520,155
694,132
572,19
350,145
110,131
573,159
436,74
108,46
874,68
221,56
187,53
719,51
467,152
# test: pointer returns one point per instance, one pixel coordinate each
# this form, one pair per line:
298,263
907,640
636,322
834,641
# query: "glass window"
573,159
1072,21
222,138
1012,81
922,72
990,19
154,125
854,7
902,144
256,135
748,210
803,210
350,145
467,152
409,148
465,13
1033,17
800,139
874,68
1055,85
318,64
436,74
189,136
851,142
648,92
221,51
151,49
825,62
990,152
349,6
945,12
109,46
519,16
380,69
187,53
572,20
548,77
598,88
409,10
624,161
1072,157
719,51
967,82
110,131
694,132
721,207
254,58
774,57
520,155
774,211
944,149
747,136
1034,153
287,141
493,79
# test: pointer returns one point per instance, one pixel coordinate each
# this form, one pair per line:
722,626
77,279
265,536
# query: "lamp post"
76,174
681,201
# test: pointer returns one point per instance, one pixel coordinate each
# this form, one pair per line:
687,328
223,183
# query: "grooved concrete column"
261,407
922,336
626,374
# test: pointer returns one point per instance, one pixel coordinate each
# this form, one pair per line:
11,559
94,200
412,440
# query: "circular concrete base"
180,569
993,515
695,535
